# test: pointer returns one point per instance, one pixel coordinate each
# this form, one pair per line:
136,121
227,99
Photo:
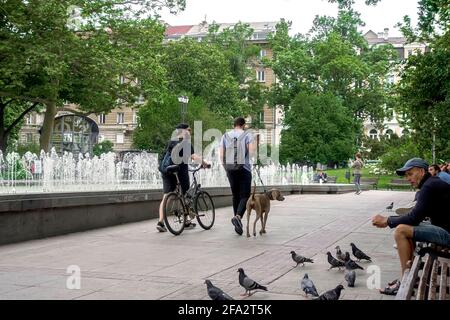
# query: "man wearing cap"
432,202
182,153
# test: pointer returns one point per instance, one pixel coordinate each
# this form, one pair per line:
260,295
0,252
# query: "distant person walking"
235,151
357,166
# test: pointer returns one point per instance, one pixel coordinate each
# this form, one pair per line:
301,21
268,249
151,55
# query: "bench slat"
433,281
443,284
424,277
407,283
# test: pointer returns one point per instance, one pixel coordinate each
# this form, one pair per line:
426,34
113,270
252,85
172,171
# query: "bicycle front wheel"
204,208
174,213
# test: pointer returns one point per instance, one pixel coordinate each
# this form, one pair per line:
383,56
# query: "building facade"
404,51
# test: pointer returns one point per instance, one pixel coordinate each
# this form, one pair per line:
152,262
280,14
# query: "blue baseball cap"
411,163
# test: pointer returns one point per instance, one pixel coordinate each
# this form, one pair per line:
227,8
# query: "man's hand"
380,221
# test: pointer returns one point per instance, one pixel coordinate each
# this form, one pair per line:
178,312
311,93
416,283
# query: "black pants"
240,183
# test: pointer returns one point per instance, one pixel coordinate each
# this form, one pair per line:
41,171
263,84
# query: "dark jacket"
433,201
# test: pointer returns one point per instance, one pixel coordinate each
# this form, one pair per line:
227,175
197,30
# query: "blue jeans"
426,232
357,181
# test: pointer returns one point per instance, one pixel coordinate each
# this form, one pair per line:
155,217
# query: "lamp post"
183,107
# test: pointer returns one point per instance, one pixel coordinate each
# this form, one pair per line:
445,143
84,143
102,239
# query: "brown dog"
261,204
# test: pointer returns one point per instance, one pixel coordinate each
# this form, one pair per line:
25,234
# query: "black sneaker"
161,227
237,225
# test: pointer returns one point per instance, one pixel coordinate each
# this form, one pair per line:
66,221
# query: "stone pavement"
134,261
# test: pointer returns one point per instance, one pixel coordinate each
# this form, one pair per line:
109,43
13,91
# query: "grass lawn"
382,182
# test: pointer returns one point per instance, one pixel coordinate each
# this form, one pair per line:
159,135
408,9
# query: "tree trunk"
47,126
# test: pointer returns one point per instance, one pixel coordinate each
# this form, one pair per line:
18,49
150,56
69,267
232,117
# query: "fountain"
52,173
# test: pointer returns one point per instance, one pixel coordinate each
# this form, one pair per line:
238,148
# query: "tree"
202,70
103,147
423,92
158,119
318,129
334,58
49,58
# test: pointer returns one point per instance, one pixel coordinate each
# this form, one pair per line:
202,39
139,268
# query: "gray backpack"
237,161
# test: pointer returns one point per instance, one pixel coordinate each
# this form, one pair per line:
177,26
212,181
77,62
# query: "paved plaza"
134,261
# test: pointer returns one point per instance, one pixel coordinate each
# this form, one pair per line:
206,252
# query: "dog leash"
259,176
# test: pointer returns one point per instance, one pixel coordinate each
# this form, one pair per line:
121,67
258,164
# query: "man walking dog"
235,151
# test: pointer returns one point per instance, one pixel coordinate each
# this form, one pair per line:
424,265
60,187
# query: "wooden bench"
428,277
400,183
370,181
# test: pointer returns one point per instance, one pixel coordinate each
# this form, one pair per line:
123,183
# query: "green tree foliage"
49,57
334,58
319,129
157,121
423,92
103,147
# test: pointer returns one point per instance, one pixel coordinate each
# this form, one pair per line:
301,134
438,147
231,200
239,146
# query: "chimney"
386,33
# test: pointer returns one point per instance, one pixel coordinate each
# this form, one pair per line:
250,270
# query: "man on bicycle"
182,153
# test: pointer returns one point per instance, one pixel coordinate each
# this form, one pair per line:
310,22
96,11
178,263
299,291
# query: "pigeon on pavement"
350,264
248,284
332,294
389,207
216,293
350,277
359,254
334,262
339,254
308,286
300,259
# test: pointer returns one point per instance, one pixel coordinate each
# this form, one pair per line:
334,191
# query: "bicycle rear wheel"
204,208
174,213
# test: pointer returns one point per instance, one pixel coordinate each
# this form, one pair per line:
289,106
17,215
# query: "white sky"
301,12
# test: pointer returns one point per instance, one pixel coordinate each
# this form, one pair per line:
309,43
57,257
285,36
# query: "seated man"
322,176
432,202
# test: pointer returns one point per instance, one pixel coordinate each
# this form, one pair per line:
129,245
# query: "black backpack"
235,165
166,161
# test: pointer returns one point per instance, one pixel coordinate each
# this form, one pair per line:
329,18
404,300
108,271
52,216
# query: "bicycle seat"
173,168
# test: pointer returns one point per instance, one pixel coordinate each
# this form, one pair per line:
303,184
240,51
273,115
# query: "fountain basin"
39,215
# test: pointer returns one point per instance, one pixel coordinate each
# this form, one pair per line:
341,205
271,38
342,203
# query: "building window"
120,117
29,119
119,138
260,76
135,117
410,52
262,53
389,133
29,137
102,118
373,134
122,79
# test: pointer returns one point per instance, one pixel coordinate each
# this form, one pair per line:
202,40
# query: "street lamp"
183,100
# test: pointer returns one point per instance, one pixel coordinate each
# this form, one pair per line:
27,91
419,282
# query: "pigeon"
248,283
216,293
359,254
389,207
334,262
350,264
300,259
350,277
308,286
339,254
332,294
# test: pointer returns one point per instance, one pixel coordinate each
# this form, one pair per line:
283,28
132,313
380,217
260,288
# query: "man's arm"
418,213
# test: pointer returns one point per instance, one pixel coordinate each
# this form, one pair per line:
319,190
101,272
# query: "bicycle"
197,203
